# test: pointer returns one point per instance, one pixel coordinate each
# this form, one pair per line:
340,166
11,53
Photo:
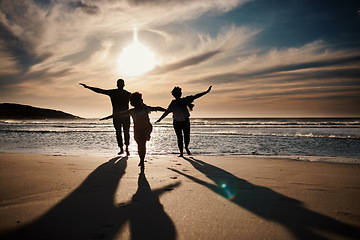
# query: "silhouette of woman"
179,108
142,125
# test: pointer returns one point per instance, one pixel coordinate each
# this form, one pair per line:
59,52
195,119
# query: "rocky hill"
18,111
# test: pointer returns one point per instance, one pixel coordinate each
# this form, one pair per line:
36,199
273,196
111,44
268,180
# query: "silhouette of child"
142,125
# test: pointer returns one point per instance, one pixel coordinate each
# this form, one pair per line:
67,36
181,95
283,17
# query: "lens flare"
228,192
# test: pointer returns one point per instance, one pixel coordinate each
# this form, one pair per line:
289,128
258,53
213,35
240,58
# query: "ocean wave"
56,131
295,135
208,131
277,121
278,124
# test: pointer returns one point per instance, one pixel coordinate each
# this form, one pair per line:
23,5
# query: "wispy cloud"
315,56
48,32
183,63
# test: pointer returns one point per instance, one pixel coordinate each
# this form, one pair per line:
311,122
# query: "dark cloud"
43,2
14,45
314,64
89,9
343,75
298,94
289,68
9,83
185,63
20,50
354,97
20,30
156,2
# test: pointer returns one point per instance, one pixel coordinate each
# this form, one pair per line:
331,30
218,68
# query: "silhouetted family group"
120,98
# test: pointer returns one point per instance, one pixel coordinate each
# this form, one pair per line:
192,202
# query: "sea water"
331,140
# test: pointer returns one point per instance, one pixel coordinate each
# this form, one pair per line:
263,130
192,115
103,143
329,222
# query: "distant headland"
19,111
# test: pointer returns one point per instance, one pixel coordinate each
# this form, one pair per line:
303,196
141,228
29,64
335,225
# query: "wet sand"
198,197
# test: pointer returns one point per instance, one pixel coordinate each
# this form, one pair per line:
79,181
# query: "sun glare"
136,59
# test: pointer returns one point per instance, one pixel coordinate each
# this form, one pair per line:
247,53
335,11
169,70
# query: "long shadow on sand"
148,219
89,212
270,205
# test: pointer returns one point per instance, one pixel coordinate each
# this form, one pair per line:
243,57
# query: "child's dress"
142,125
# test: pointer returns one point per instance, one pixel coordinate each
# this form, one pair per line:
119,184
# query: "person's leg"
117,125
142,152
178,130
186,130
126,129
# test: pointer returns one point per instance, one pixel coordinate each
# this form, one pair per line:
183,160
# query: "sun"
136,59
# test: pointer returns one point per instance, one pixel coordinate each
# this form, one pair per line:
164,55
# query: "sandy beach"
198,197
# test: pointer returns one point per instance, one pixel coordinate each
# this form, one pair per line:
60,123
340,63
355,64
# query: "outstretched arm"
203,93
163,116
157,109
117,115
94,89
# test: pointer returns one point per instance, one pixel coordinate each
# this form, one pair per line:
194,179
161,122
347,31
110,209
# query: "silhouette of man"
120,102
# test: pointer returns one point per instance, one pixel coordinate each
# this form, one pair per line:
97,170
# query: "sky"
264,58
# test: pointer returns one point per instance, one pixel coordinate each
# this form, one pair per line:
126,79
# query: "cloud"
48,47
184,63
89,9
46,32
291,71
286,77
202,49
20,51
287,62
